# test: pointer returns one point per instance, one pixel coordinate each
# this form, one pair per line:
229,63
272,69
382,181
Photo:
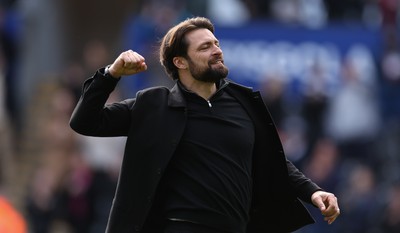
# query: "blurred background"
329,72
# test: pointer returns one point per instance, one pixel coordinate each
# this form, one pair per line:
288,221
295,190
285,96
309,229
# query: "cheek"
199,63
200,59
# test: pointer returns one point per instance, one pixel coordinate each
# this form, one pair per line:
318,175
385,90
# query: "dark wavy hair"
174,42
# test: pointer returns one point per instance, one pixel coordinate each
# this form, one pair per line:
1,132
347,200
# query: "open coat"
153,123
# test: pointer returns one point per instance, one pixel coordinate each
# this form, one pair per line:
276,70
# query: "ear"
180,63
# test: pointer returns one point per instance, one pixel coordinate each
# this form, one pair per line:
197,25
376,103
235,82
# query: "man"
202,157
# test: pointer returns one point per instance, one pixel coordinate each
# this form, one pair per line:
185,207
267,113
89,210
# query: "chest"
220,123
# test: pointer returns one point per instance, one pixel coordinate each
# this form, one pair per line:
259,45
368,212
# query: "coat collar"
176,98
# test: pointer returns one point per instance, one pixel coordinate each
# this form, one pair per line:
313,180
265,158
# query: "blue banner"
257,51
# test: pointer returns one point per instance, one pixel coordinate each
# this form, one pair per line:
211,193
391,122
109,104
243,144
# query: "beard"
208,74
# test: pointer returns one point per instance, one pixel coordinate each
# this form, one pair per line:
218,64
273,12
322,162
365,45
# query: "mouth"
217,61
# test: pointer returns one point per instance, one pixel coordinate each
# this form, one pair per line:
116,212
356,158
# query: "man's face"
205,58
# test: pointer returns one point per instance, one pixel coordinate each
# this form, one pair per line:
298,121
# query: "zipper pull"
209,103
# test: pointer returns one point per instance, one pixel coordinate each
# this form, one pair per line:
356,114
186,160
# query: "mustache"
216,59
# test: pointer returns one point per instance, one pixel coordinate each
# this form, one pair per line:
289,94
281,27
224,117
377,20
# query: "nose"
217,50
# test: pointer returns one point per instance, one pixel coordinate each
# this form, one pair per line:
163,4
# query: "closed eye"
207,45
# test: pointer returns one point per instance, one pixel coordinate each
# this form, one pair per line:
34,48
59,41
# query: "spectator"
359,199
353,118
391,214
141,32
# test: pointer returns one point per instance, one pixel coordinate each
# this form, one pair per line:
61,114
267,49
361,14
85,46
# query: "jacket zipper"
219,89
209,103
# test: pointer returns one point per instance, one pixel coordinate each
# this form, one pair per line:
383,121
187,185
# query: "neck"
203,89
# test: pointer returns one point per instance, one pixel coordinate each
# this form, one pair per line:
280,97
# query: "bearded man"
201,157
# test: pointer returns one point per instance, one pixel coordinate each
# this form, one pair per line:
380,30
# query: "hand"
327,204
127,63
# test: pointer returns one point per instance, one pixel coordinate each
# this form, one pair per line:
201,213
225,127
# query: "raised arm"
91,116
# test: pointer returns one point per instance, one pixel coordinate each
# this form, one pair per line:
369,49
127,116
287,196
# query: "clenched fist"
127,63
328,205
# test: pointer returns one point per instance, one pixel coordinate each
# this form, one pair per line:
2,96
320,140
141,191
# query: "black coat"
154,122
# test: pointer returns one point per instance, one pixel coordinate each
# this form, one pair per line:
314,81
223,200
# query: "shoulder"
153,96
239,88
238,85
151,91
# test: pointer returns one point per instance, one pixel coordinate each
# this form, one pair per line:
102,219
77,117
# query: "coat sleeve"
303,186
92,117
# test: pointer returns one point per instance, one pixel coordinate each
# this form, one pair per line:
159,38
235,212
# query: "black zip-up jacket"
153,123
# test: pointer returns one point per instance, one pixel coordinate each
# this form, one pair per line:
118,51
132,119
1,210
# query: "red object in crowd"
11,221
